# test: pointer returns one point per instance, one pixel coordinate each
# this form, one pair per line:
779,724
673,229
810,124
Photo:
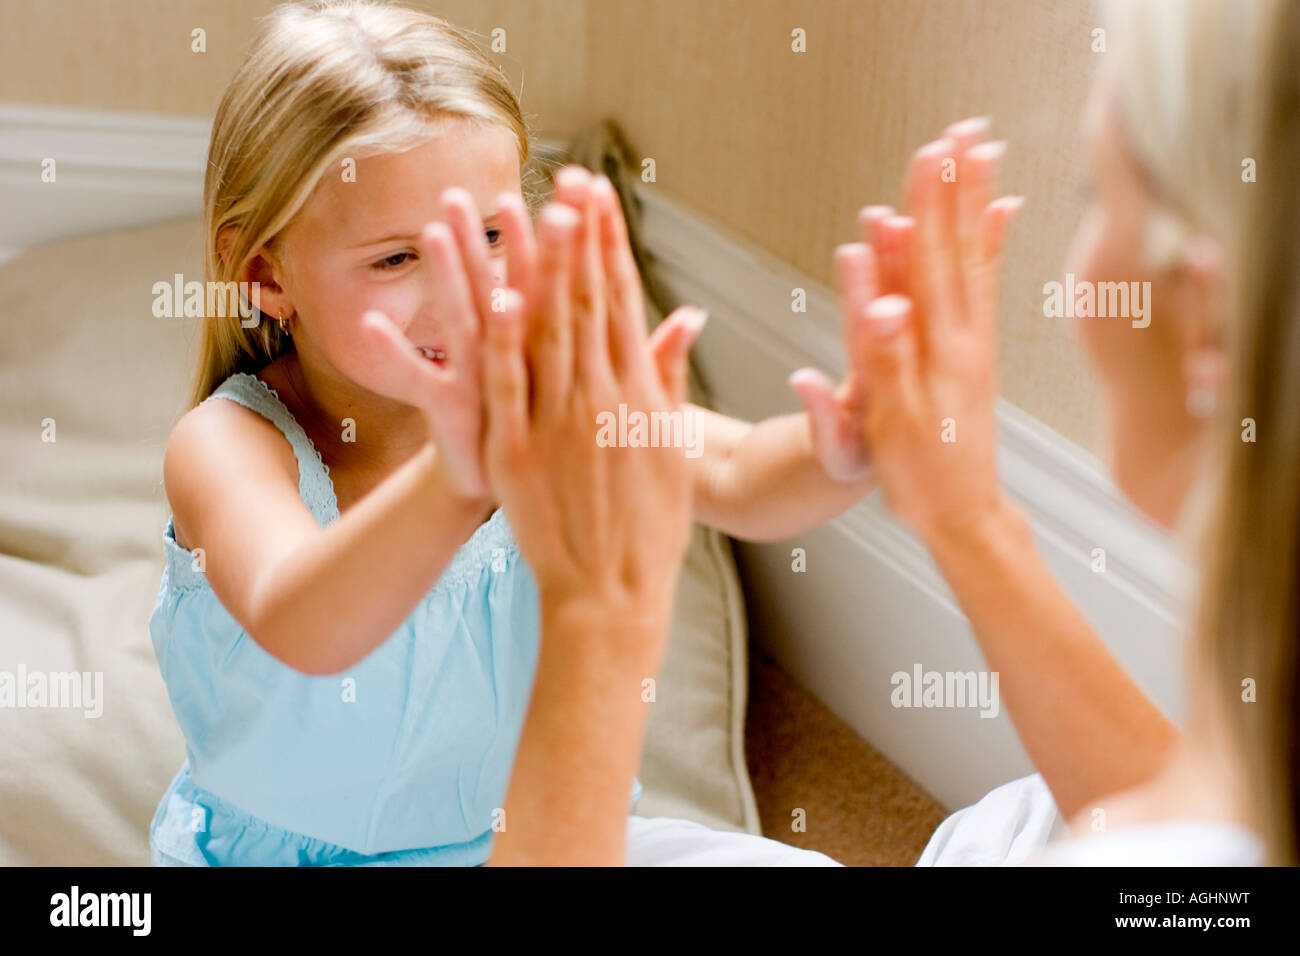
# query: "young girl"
346,630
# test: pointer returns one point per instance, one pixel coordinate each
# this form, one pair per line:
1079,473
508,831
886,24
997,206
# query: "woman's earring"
284,326
1201,402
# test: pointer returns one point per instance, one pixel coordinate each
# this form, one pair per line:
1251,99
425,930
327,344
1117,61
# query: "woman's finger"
550,326
933,268
893,384
995,223
591,317
627,333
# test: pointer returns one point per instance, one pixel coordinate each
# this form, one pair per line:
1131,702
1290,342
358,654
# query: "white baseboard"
871,601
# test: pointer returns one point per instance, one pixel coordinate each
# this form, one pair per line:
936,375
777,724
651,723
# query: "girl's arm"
321,599
766,481
318,599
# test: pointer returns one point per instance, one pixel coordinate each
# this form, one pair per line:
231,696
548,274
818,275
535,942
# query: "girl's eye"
493,237
393,261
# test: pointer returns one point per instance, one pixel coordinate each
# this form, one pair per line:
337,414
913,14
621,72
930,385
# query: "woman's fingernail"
975,126
995,149
887,314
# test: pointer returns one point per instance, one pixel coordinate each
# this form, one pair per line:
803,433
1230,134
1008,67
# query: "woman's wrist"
634,625
987,530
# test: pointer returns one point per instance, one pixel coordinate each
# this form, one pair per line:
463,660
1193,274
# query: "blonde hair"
324,81
1200,87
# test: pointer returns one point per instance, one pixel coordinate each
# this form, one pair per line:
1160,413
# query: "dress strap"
315,486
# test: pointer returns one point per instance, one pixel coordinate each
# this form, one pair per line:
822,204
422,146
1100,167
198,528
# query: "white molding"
872,601
112,170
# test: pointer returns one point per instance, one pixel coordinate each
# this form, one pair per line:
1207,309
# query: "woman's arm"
604,528
1086,725
931,364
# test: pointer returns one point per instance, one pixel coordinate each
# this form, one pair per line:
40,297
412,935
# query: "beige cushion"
81,519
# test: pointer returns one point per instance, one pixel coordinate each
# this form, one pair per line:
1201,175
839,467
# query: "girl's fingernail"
694,319
887,314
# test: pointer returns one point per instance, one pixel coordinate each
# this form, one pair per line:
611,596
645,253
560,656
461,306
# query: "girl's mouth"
433,353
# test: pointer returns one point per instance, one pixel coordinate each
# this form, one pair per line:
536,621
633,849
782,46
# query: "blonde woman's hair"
322,82
1201,87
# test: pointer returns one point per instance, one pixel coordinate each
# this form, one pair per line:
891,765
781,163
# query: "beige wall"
784,147
780,147
135,54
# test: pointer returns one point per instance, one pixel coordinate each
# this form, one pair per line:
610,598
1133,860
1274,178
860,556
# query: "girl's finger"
892,239
405,375
964,137
457,321
817,392
933,269
855,270
467,227
870,221
627,333
521,245
572,186
550,327
669,345
505,378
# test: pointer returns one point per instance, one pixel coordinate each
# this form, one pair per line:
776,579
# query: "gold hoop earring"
284,326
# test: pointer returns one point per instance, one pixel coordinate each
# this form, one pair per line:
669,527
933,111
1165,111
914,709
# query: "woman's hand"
597,524
603,528
923,300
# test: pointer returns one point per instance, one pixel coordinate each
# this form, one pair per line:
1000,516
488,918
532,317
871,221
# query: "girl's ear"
263,272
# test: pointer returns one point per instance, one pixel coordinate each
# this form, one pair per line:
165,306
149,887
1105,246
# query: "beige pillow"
81,517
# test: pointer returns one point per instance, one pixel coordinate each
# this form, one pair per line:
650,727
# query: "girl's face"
354,245
1139,356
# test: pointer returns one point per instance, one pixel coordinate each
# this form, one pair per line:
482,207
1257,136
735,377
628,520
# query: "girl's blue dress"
402,760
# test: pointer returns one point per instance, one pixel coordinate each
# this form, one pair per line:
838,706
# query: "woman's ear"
1203,339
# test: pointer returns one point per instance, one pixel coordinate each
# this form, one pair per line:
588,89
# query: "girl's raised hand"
446,385
924,297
